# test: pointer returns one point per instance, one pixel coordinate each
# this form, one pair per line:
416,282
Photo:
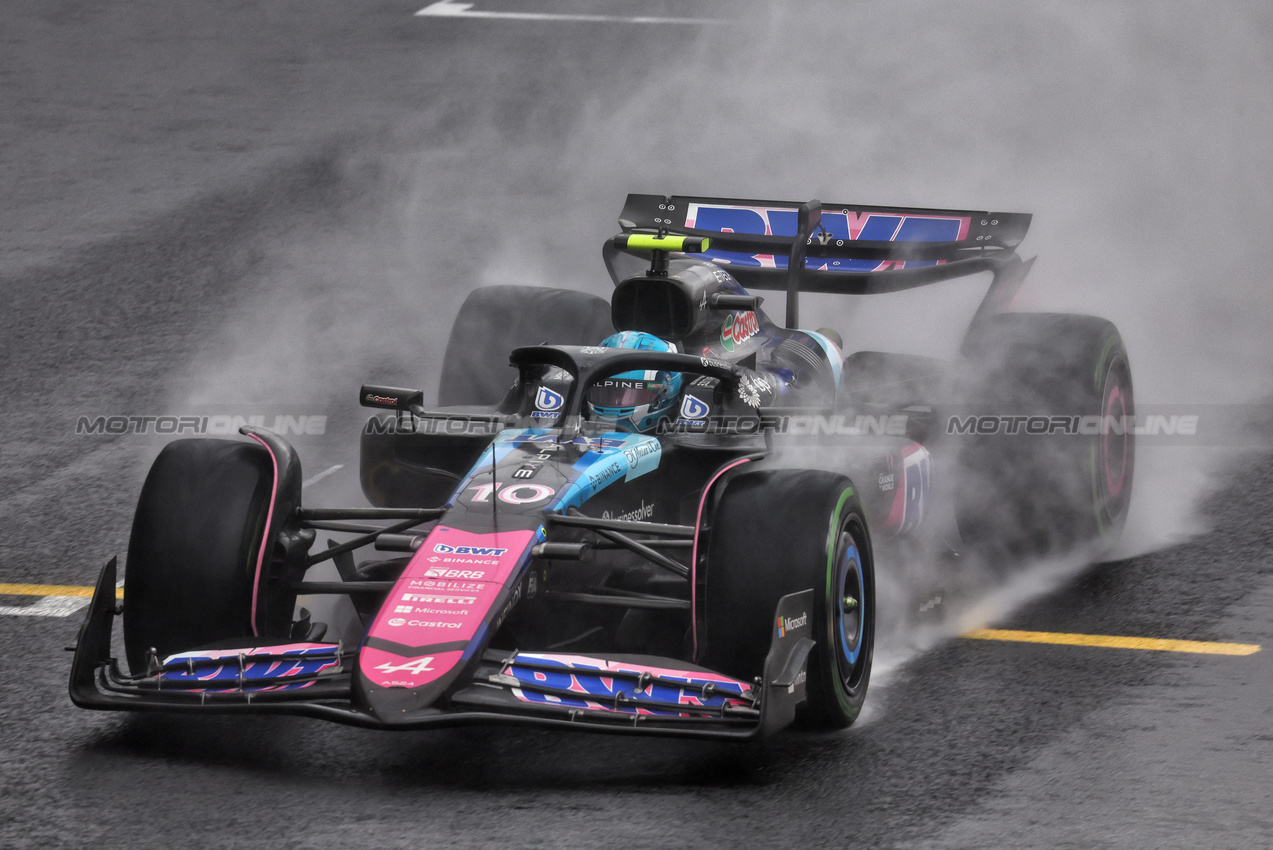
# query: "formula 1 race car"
620,540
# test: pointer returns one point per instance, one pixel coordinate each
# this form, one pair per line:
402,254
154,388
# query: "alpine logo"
468,550
693,408
791,624
739,328
415,668
547,403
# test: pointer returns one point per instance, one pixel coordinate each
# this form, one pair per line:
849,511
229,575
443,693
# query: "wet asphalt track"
155,159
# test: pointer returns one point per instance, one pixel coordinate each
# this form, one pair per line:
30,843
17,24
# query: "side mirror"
390,398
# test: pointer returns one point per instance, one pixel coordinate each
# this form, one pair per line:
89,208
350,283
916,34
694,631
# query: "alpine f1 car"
614,543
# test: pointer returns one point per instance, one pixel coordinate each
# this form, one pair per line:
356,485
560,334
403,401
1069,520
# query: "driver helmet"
635,401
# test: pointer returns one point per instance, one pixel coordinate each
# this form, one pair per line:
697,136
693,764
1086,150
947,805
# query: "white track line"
48,606
451,9
320,476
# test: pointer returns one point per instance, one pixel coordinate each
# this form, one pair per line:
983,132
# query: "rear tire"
496,319
776,532
193,551
1029,494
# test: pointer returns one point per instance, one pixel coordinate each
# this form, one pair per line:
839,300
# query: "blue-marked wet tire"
1024,494
775,532
193,550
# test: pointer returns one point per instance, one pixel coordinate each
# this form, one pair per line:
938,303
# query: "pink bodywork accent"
698,524
443,596
1116,394
260,556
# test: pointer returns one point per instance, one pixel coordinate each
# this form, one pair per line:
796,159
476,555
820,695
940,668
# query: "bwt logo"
547,401
693,408
790,624
467,550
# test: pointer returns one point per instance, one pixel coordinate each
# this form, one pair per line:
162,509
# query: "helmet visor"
622,393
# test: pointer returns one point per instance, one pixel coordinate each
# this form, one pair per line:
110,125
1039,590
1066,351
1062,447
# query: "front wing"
617,694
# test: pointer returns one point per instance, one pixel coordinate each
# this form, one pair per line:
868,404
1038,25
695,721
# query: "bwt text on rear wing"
845,249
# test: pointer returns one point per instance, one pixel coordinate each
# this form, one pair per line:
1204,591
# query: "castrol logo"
739,328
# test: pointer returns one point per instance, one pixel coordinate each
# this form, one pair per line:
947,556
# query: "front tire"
776,532
192,555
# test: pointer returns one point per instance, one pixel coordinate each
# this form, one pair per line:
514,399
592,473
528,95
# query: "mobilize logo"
791,624
468,550
449,586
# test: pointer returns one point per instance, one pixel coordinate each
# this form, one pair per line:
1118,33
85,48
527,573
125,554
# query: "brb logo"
547,403
468,550
739,328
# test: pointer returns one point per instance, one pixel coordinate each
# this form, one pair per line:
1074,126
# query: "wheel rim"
851,609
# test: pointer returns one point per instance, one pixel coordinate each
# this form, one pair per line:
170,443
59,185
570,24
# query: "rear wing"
847,249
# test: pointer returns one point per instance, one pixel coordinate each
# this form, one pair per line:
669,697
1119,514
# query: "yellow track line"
51,590
1204,647
1196,646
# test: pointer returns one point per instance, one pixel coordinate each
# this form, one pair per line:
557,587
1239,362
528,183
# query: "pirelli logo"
439,599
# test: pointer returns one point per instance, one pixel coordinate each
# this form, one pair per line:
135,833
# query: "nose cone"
393,705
